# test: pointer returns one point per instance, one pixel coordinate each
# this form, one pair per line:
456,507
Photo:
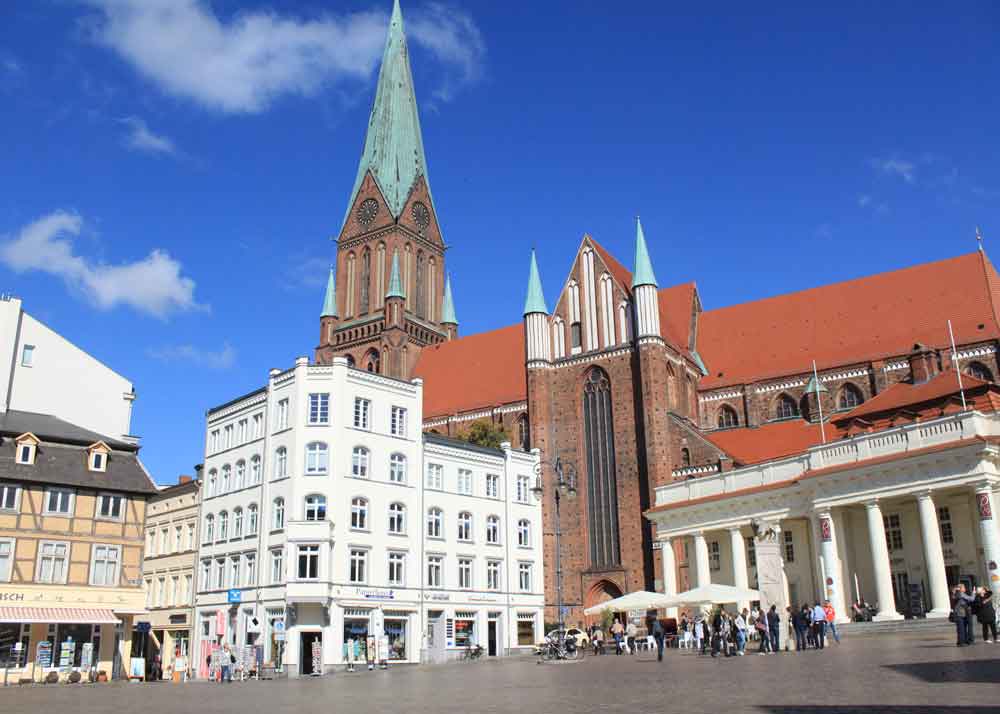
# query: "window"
27,355
524,533
524,576
223,525
214,441
358,565
397,568
212,483
435,476
359,514
209,535
893,531
255,469
434,519
6,559
465,482
241,431
397,468
252,519
317,459
714,556
241,475
786,408
465,573
104,565
308,562
164,541
59,501
576,336
397,424
751,552
979,371
727,417
150,543
277,567
234,571
362,413
220,573
237,523
9,496
465,526
178,539
26,453
359,462
176,591
789,547
257,428
492,486
944,520
522,432
52,560
493,529
161,592
492,574
190,537
205,575
685,457
227,437
226,483
315,508
397,518
281,416
278,513
251,572
850,397
281,462
319,408
523,489
435,568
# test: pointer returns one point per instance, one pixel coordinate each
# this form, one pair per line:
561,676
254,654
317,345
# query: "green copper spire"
535,301
394,148
815,387
330,302
643,274
448,309
395,282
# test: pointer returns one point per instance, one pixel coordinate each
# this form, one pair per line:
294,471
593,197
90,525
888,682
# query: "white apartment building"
325,509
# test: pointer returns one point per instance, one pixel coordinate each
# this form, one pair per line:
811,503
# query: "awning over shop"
67,615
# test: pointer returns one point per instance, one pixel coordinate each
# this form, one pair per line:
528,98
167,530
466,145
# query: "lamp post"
565,485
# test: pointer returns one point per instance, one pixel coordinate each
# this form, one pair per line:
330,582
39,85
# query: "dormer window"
97,456
26,446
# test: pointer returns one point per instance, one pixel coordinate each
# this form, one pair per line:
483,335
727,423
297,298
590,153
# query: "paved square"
914,673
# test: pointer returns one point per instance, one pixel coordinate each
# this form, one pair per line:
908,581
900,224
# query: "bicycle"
472,653
558,645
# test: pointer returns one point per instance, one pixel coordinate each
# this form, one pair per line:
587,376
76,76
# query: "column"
880,563
739,553
937,579
669,572
701,571
988,534
832,586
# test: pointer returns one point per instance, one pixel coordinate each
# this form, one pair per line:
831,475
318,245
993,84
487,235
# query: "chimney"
183,479
924,364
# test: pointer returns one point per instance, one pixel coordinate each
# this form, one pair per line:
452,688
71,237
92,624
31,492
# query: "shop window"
525,629
465,629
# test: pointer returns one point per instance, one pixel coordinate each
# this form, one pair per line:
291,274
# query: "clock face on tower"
367,211
421,215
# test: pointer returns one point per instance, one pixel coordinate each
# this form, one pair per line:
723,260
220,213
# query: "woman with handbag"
986,614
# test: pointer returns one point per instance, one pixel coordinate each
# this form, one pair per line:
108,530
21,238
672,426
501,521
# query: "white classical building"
325,510
894,509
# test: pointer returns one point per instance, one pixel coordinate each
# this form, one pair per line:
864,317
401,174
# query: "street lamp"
565,485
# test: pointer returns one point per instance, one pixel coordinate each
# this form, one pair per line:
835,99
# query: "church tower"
390,274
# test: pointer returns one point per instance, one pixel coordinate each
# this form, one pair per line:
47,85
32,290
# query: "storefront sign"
234,595
11,597
143,627
483,598
43,655
375,594
437,596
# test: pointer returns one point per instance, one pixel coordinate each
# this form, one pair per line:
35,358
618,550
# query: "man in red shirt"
830,617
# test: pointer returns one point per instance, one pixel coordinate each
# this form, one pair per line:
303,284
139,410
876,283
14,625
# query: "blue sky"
174,169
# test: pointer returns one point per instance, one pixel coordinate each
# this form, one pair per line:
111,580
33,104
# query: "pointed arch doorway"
601,591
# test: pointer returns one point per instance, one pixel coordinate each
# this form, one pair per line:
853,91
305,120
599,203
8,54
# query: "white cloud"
906,170
140,138
153,285
453,38
222,359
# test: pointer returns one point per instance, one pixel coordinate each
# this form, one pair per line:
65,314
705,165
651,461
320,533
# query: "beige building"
72,520
168,571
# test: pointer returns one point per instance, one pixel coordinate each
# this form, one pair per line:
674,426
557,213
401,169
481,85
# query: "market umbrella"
639,600
712,594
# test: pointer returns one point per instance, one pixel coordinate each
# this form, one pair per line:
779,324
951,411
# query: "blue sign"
143,627
235,596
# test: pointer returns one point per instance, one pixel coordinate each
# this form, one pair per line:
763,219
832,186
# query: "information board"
66,651
43,655
86,656
317,658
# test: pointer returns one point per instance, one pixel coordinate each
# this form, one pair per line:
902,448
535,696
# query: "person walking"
228,660
986,614
658,635
774,627
962,615
819,626
762,632
618,632
684,633
741,632
699,634
630,634
597,640
831,617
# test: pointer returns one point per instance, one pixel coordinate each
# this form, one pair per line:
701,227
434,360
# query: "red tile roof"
913,396
477,371
619,271
770,441
676,304
854,321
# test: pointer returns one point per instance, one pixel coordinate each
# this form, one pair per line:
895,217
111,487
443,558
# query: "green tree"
484,433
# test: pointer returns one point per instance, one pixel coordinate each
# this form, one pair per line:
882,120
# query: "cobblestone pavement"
901,674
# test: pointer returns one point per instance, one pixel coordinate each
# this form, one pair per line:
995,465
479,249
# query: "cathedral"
642,394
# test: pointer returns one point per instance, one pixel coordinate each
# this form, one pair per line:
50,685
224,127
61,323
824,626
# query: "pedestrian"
699,633
762,632
819,626
684,632
597,640
618,632
754,616
228,660
630,634
741,631
986,614
774,627
831,617
658,635
962,615
797,619
807,621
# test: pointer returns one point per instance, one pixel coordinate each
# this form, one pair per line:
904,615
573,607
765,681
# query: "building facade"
325,510
168,572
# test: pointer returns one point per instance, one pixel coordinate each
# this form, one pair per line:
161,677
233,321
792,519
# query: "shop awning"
67,615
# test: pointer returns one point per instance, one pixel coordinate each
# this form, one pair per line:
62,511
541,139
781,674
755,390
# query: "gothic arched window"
602,489
685,457
728,418
421,301
522,431
786,408
850,397
366,281
979,371
372,361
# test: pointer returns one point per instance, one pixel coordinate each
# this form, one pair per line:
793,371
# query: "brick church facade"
631,384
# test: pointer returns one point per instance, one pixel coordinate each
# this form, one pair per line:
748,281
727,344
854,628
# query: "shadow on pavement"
969,671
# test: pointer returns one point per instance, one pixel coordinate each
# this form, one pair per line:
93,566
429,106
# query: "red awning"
67,615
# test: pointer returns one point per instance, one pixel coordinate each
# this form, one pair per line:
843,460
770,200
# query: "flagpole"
954,361
819,403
